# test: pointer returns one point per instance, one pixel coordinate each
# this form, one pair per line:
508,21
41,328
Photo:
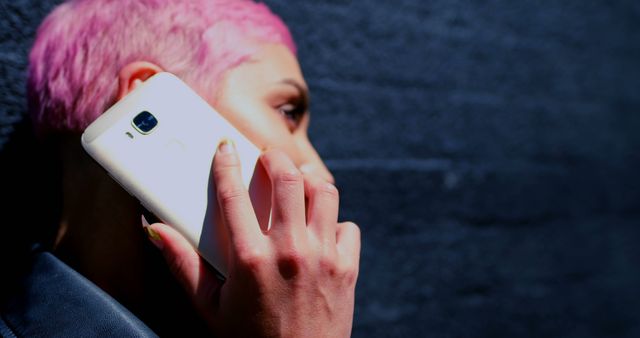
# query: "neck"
100,236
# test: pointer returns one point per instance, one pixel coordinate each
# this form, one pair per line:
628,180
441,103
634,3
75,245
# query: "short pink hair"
82,45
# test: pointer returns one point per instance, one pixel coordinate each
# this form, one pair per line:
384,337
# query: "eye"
293,113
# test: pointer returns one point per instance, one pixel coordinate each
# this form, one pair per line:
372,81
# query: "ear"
133,74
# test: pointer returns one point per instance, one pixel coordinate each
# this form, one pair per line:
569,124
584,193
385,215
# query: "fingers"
348,242
322,211
233,197
190,270
260,194
288,207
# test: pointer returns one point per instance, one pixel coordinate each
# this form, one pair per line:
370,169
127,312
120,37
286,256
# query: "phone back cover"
168,170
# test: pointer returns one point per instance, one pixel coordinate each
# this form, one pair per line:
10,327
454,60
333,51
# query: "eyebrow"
304,92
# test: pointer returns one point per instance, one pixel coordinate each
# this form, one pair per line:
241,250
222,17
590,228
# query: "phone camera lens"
145,122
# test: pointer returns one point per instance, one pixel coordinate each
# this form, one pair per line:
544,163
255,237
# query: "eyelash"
292,112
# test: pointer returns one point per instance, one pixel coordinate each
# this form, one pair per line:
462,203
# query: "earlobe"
133,74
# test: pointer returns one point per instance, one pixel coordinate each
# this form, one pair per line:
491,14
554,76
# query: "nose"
311,163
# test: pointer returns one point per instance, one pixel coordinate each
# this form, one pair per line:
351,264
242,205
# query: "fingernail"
154,237
226,146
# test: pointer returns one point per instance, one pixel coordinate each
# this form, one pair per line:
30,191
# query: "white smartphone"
158,143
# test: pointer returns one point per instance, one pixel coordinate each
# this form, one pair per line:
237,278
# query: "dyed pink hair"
82,45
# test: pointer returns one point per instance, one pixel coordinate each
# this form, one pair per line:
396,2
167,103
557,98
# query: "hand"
295,280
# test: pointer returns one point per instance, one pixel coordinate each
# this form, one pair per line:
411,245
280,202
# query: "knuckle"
179,266
251,260
350,275
291,263
293,255
223,160
329,190
230,194
352,226
224,164
347,272
290,177
329,266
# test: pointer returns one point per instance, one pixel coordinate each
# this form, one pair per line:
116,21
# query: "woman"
298,278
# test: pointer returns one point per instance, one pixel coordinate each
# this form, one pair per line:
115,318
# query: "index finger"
233,197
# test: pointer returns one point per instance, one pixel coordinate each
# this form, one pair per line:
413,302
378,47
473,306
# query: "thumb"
193,273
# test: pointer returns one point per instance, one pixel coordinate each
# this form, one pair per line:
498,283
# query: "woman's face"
267,99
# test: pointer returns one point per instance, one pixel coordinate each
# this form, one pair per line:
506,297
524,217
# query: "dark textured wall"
489,151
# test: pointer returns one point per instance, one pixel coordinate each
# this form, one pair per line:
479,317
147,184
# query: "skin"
296,279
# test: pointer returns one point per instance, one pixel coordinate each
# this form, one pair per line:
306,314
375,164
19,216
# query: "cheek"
264,127
270,131
256,121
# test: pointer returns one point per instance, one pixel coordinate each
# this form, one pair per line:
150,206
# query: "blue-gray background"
489,150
